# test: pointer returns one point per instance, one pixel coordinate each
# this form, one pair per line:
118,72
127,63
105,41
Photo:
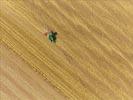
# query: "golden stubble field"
91,60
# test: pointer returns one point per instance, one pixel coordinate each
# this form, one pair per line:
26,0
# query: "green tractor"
51,36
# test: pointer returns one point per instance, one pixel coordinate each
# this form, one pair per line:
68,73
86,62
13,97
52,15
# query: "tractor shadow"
55,33
55,36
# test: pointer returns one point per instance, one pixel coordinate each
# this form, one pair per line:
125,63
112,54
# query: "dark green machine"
52,36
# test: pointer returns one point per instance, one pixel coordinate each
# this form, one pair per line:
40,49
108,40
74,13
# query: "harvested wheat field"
92,58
